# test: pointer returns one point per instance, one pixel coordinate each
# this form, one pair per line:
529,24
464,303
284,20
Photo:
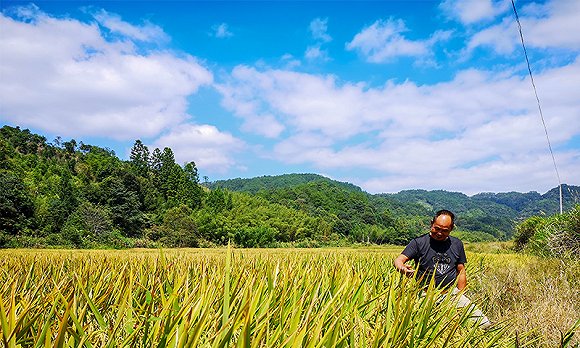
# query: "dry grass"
530,293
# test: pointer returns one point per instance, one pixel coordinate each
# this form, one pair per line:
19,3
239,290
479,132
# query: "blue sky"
388,95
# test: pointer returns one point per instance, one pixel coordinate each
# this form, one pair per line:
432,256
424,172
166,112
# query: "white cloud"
474,133
265,125
289,62
523,174
555,24
303,101
221,31
242,102
318,27
502,37
211,149
316,53
383,41
474,11
62,76
147,32
311,147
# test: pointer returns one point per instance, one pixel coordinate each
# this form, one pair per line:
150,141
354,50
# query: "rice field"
345,297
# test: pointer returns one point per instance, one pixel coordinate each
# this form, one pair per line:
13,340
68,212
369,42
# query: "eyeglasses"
436,228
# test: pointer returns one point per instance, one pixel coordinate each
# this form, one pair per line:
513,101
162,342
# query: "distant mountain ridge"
492,214
530,202
527,204
267,182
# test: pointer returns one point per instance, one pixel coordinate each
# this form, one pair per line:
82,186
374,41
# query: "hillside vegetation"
71,194
556,235
482,217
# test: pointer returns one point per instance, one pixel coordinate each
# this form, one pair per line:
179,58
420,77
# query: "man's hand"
407,270
461,277
401,266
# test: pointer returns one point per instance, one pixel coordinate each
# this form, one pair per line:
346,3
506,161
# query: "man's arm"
461,276
401,266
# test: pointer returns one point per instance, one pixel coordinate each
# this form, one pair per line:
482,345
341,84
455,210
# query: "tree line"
69,194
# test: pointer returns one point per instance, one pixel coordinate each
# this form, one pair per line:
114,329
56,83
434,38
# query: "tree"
219,200
167,175
89,223
124,204
190,190
23,140
179,227
191,172
140,158
62,202
70,146
255,237
155,160
16,205
100,162
6,152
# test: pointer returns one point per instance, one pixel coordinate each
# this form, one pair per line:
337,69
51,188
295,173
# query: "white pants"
476,314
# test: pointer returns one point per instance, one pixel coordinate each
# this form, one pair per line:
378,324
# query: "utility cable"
538,100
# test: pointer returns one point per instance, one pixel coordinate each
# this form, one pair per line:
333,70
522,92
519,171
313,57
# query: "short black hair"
444,212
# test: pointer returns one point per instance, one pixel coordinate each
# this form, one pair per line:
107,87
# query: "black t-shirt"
431,256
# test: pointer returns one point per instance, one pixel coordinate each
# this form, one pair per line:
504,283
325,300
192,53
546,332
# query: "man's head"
442,224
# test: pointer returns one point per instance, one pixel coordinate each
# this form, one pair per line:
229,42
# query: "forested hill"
514,203
267,182
71,194
520,204
484,216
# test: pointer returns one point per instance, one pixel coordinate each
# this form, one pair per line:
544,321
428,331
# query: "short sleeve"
462,258
411,249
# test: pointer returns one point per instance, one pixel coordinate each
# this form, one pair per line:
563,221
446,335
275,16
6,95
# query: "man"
436,253
439,256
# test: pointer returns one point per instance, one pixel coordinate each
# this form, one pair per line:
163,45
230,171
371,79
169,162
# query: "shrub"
179,228
557,235
88,225
254,236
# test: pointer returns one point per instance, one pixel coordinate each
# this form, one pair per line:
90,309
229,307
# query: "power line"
538,100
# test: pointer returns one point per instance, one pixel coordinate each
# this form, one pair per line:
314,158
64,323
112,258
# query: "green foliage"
120,194
62,202
140,158
267,182
179,228
219,200
473,236
351,212
74,194
16,206
23,141
71,194
257,236
549,204
6,153
526,230
556,235
88,225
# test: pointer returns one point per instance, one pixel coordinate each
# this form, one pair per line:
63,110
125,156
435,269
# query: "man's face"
441,228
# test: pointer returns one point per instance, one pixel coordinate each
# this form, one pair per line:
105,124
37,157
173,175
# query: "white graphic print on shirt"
442,262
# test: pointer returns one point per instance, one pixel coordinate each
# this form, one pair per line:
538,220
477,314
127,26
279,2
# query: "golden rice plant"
228,298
